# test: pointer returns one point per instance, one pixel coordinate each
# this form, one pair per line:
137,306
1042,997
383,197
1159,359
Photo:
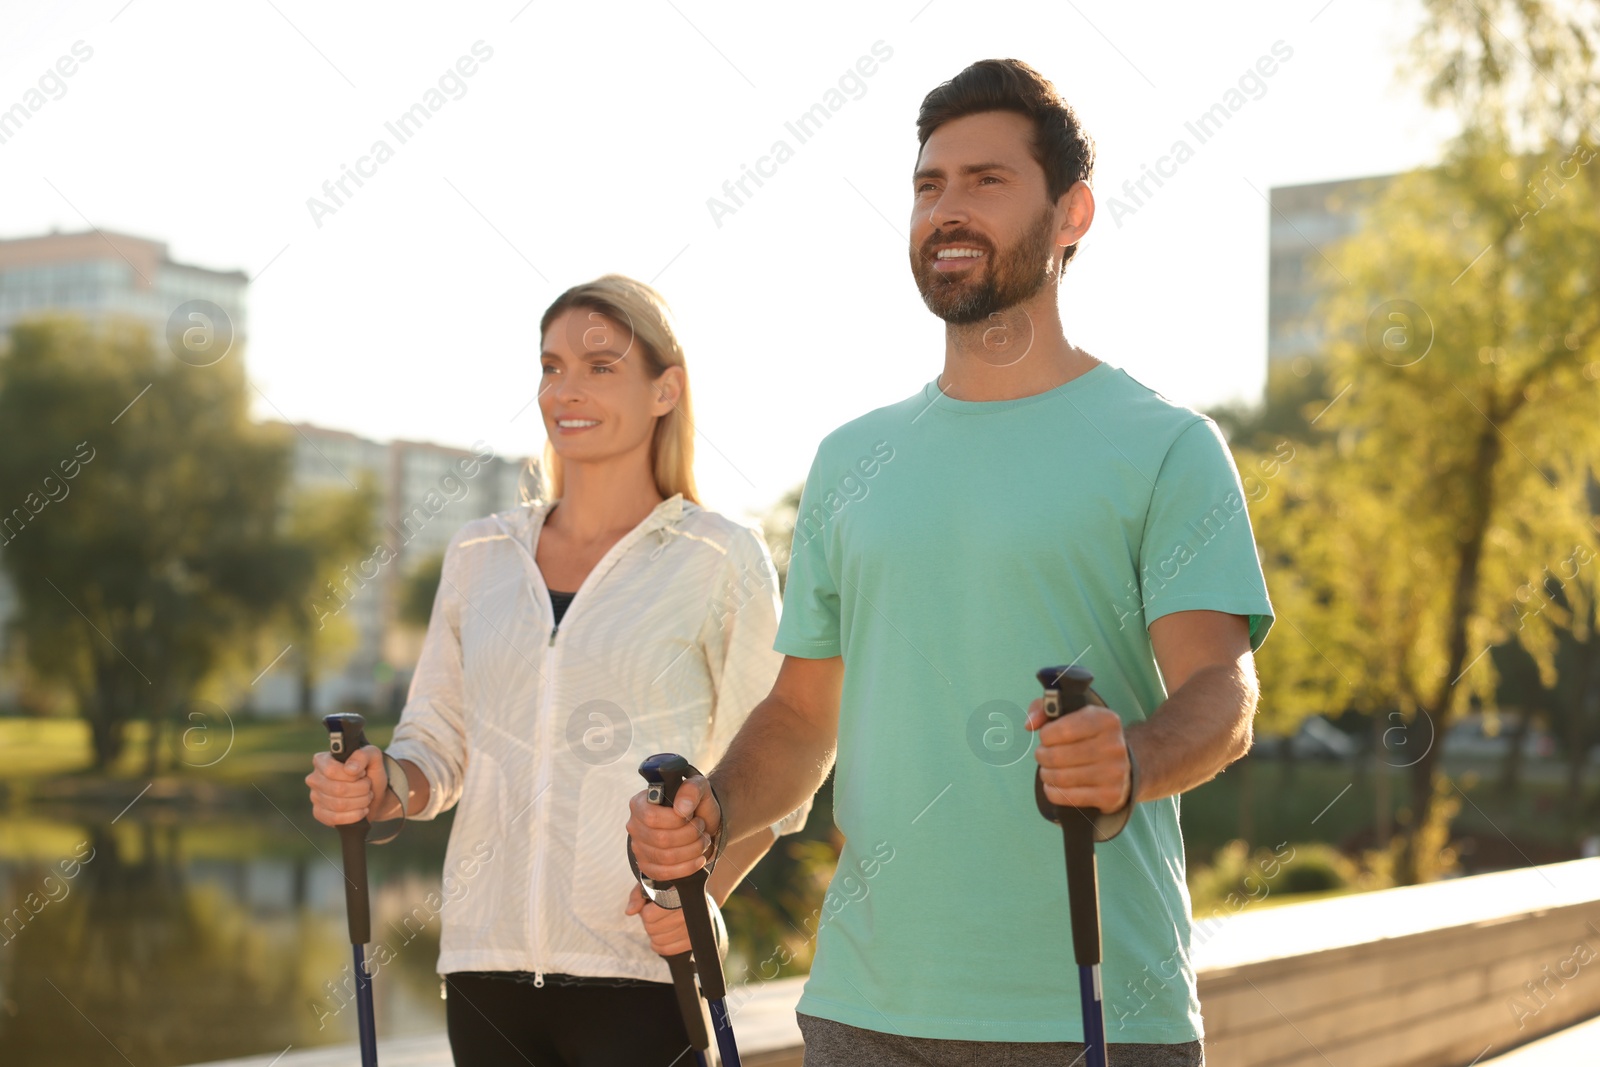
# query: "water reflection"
174,942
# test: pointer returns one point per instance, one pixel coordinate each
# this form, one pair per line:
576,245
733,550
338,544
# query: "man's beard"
1009,278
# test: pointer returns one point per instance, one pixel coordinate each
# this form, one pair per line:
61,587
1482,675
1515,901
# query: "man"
1032,506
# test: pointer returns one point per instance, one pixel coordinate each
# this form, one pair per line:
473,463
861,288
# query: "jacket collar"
524,523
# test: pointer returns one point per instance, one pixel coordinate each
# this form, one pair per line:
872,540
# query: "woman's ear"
668,388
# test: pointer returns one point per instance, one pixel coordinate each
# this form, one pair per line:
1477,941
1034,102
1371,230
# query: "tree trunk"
1511,769
1247,800
105,735
105,708
162,705
1383,827
308,691
1581,714
1413,867
158,733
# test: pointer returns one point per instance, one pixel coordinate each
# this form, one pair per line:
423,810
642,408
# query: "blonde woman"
570,638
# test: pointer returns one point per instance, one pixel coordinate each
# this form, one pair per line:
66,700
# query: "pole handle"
347,734
663,774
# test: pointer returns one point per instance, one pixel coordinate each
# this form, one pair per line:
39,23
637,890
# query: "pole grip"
1066,689
347,734
663,774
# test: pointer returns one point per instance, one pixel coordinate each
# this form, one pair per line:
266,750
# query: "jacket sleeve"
737,640
432,730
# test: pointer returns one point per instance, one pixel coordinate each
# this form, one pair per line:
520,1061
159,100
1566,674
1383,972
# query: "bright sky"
586,141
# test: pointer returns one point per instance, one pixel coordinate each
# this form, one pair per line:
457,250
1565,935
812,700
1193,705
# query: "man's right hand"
343,792
674,842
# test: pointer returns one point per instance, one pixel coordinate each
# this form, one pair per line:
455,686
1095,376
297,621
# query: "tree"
420,588
1521,68
146,544
330,528
1466,345
777,526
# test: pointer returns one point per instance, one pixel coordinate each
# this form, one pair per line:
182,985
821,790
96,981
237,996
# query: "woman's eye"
601,368
547,369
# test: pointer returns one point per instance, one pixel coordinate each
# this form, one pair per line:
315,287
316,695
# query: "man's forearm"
737,862
774,764
1196,732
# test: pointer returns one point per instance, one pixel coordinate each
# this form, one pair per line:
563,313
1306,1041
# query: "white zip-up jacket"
536,732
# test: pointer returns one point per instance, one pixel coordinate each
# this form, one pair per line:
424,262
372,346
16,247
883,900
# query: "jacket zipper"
595,576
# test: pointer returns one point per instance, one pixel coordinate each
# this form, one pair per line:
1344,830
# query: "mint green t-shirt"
948,550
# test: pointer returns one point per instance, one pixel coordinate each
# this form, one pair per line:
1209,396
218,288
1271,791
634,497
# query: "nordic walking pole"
1066,689
682,966
664,773
345,735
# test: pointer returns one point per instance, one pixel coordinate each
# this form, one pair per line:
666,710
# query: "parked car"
1316,739
1473,737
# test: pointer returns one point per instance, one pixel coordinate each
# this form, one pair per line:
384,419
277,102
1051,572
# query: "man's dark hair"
1060,144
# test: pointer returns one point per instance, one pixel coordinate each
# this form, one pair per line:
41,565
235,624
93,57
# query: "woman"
570,638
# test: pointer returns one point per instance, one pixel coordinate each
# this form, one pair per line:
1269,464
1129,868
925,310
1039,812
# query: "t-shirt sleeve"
1198,552
809,628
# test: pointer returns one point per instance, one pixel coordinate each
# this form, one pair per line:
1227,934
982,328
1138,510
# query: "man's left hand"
1083,757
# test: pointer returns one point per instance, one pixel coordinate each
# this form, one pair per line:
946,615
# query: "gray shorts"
834,1044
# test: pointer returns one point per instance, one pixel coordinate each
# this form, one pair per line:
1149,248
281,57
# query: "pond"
160,940
202,925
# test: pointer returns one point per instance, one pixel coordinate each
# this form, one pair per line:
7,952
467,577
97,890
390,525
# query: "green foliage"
1239,876
420,588
1427,492
330,528
166,551
1520,66
778,528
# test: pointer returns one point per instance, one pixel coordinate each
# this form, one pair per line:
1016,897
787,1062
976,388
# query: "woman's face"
596,394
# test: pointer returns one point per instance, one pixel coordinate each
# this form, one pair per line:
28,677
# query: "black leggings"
496,1022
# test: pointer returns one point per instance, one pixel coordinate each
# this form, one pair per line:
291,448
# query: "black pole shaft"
682,967
357,901
1083,886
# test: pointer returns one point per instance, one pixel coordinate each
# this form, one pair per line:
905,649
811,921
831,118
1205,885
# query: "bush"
1237,877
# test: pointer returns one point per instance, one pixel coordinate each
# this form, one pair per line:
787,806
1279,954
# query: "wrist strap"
720,841
381,833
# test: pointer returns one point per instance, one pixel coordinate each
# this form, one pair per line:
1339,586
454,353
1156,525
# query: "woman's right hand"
343,793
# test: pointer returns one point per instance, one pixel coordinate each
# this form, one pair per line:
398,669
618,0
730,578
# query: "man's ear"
1078,216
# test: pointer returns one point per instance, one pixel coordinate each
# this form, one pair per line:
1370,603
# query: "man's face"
983,233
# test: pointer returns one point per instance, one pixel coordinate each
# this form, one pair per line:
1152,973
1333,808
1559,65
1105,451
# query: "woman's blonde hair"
636,306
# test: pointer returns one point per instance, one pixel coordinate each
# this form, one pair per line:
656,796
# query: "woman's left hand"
669,935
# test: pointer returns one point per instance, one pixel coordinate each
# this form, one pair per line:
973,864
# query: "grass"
235,751
1338,804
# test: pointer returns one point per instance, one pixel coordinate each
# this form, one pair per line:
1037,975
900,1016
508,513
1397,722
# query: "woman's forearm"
389,808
